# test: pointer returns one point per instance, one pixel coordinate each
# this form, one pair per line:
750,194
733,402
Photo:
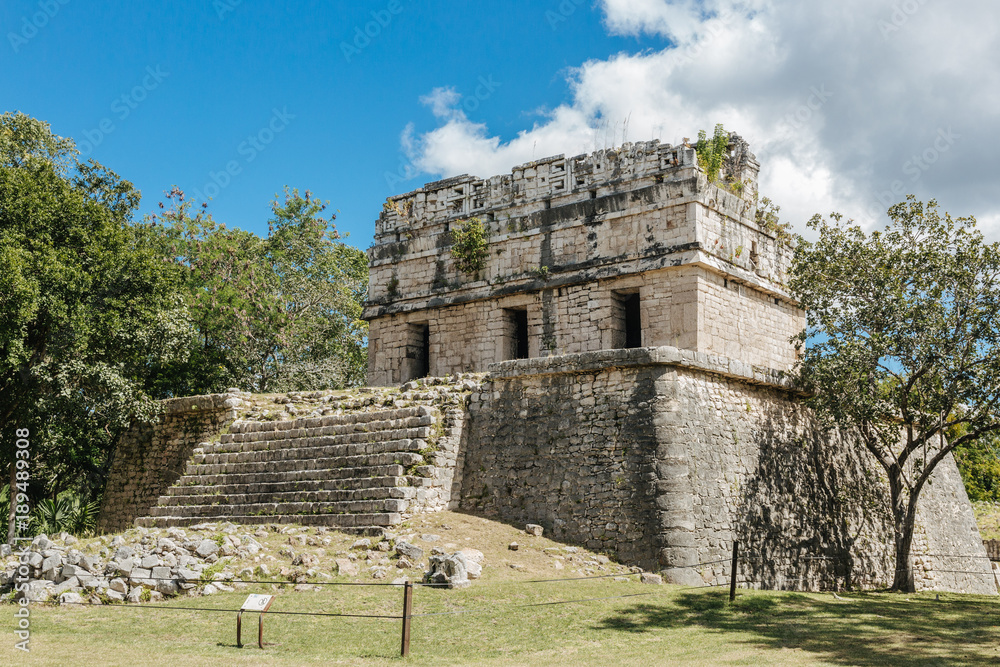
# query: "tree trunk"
904,513
12,493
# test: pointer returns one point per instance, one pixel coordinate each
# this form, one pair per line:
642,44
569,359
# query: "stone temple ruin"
619,249
613,372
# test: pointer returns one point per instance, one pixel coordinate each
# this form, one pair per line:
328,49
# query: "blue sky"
849,105
219,73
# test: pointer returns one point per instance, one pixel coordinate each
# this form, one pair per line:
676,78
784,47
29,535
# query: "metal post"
732,572
260,631
239,627
407,612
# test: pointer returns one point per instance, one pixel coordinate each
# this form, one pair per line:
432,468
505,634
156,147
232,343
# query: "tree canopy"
100,315
83,308
904,343
279,313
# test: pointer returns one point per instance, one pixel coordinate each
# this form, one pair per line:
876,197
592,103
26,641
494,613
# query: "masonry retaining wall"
663,457
152,456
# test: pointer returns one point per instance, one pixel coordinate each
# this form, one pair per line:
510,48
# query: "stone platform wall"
664,457
152,456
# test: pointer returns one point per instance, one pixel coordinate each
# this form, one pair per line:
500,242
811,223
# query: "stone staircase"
360,472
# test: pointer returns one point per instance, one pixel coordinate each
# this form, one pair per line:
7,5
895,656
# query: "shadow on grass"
860,630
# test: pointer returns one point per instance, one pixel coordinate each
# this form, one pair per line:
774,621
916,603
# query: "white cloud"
841,102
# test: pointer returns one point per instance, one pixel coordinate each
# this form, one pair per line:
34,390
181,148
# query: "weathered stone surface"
206,548
167,587
473,555
412,552
70,598
123,552
39,590
141,577
449,570
67,585
534,529
649,578
346,567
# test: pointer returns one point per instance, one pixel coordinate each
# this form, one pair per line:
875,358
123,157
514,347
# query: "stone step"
311,448
347,523
365,507
291,476
418,427
372,421
344,485
405,459
302,496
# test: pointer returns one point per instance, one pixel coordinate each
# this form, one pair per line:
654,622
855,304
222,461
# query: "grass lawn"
670,625
988,518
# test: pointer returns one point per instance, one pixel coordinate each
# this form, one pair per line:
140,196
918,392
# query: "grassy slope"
988,518
667,625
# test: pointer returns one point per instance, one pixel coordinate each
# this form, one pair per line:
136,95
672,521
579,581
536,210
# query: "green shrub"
470,248
712,152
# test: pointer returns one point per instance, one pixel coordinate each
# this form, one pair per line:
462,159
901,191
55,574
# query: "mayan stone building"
630,247
616,370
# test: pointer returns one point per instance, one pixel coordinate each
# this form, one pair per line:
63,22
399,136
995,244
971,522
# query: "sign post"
254,603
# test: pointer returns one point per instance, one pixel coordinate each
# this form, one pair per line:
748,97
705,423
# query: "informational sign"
257,603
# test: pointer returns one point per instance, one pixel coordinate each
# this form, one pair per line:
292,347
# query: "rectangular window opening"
593,194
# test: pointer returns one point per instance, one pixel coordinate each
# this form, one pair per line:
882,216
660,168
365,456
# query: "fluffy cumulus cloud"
848,105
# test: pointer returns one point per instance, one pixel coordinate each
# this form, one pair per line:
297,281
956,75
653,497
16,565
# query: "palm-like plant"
66,513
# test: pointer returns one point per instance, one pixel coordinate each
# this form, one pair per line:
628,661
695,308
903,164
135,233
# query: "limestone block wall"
689,307
663,457
571,452
152,456
566,237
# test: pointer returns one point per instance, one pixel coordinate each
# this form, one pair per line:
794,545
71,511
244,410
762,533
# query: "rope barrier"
230,611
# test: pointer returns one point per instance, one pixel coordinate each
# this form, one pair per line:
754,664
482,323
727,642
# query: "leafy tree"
84,309
979,463
281,313
905,332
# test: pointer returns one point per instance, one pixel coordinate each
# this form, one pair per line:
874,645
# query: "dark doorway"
626,319
632,319
516,334
417,363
